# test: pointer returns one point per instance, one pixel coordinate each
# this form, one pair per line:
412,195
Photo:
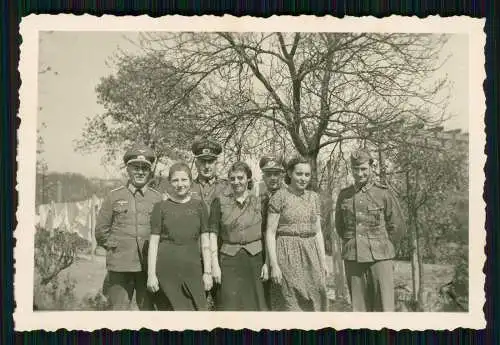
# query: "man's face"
139,174
272,179
361,173
206,167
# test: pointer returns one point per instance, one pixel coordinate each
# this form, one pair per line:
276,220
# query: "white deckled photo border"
26,319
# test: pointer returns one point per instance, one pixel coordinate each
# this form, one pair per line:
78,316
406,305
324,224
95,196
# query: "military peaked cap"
360,157
270,163
206,148
139,154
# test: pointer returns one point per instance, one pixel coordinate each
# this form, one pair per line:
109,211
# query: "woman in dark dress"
235,216
177,225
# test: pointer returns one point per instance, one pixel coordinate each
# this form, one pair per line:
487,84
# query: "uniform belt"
241,243
296,234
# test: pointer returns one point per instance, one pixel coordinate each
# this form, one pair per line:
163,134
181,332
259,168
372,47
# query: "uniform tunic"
123,229
303,286
370,223
178,264
239,228
207,191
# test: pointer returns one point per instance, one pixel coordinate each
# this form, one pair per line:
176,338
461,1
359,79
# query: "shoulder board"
117,189
154,190
344,190
381,185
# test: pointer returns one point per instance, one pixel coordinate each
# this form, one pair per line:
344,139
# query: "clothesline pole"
93,210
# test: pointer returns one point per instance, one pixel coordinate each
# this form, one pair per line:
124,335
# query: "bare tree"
311,90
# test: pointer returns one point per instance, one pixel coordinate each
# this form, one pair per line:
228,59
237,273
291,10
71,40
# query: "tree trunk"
415,266
420,290
381,166
338,272
314,171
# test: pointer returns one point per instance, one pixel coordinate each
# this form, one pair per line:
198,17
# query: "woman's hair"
180,166
242,166
290,166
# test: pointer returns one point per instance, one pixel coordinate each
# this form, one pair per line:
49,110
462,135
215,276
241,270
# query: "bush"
97,302
58,294
54,252
457,292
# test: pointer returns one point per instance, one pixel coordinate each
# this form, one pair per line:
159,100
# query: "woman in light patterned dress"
295,246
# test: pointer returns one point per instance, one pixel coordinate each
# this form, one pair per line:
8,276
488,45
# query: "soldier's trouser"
371,285
120,287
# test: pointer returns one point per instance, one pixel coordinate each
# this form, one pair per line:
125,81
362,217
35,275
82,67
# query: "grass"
89,275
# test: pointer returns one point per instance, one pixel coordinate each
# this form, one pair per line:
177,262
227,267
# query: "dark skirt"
180,276
241,288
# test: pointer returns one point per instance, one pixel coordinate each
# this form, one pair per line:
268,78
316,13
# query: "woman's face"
300,176
181,183
239,181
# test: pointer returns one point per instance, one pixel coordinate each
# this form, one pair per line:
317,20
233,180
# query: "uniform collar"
206,182
272,192
133,189
365,187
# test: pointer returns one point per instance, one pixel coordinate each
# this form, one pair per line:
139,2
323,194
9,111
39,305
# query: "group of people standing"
216,238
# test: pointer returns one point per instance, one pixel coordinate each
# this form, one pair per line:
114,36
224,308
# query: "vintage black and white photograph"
275,167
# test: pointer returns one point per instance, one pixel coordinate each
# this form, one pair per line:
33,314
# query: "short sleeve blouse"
295,209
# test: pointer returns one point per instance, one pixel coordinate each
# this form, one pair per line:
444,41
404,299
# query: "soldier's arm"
339,221
394,220
104,221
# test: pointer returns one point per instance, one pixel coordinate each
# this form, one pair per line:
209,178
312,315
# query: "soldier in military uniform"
123,228
369,221
207,186
272,173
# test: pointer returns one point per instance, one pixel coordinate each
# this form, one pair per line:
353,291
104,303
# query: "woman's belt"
240,243
296,234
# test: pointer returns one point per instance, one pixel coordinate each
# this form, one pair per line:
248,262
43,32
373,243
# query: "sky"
77,60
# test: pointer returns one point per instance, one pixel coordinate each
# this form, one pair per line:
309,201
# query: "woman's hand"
326,270
153,284
207,281
264,272
276,274
216,273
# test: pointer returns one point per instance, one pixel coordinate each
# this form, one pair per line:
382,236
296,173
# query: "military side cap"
360,157
269,163
139,154
206,148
